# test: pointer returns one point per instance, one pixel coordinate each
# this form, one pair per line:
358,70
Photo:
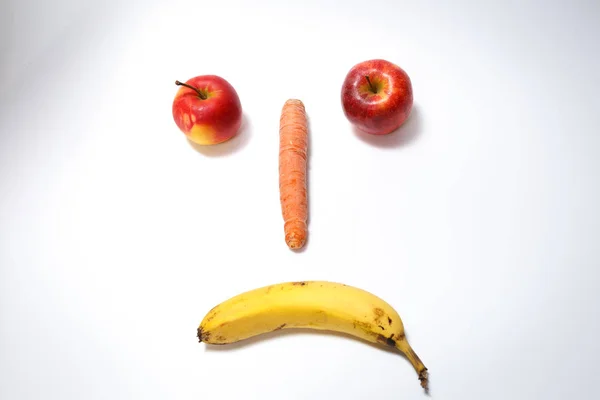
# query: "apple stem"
370,84
202,95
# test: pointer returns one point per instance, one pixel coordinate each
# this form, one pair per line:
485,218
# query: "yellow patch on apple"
202,134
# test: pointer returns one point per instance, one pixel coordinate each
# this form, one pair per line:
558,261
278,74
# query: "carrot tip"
295,243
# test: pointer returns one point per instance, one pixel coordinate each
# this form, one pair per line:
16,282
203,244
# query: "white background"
478,220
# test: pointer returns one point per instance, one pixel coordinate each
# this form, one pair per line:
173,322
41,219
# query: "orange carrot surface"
293,147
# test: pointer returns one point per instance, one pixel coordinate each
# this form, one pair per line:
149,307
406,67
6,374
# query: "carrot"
293,147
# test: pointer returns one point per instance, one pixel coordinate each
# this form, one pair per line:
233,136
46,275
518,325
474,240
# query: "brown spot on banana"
379,313
280,327
389,341
321,317
390,321
212,313
302,283
365,326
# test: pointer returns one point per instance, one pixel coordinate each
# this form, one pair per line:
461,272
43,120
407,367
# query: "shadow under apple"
406,134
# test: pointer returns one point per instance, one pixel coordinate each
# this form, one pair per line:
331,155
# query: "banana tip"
424,378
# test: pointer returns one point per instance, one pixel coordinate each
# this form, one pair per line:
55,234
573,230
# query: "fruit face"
380,103
209,114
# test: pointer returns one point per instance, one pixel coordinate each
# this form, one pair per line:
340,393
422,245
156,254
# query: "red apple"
377,96
207,109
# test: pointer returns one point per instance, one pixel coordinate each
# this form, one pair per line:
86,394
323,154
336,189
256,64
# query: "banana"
319,305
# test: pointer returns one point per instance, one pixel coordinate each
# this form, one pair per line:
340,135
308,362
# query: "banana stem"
414,359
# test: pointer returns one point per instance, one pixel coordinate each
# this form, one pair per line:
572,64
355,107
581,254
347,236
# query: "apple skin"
383,111
209,121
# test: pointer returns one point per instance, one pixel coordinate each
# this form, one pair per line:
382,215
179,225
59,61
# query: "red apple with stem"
207,109
377,96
